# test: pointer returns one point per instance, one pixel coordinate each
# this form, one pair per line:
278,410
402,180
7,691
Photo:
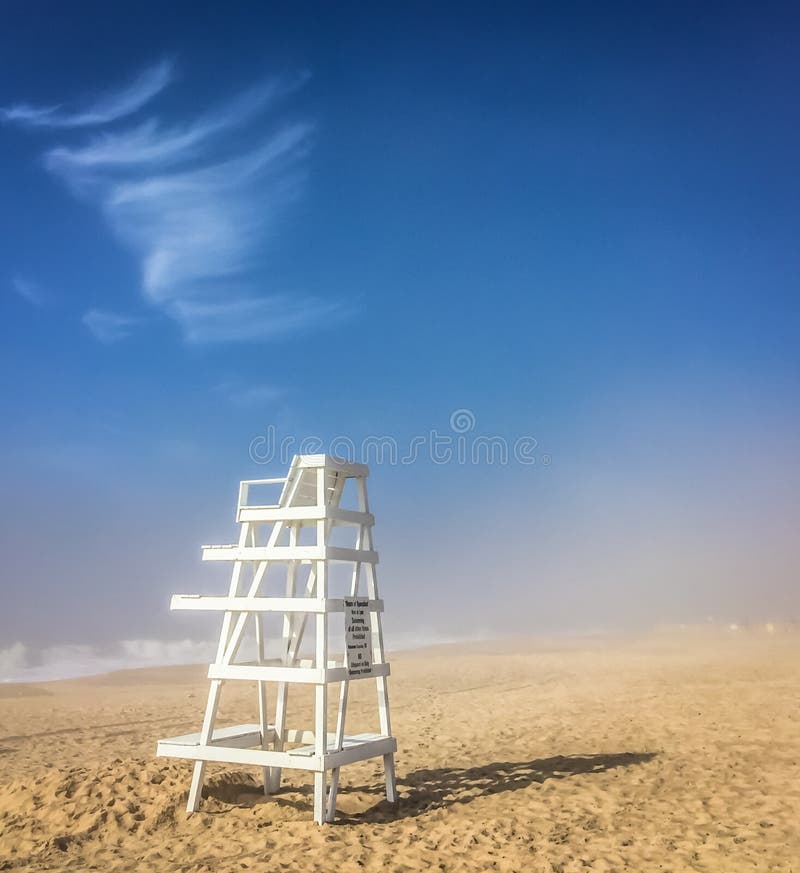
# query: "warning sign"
358,637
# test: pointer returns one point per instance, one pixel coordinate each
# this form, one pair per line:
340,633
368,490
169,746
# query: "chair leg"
319,797
196,790
391,784
332,792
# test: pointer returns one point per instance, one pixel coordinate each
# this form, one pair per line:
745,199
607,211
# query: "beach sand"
676,750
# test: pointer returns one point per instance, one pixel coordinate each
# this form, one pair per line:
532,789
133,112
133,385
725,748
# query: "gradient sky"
578,222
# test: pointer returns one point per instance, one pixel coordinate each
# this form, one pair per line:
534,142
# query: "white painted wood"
331,463
378,653
267,673
389,776
244,487
310,496
286,553
262,697
321,659
281,697
300,675
243,736
303,514
343,690
230,755
319,796
361,751
360,747
203,602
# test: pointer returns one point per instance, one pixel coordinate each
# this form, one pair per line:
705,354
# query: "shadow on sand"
424,790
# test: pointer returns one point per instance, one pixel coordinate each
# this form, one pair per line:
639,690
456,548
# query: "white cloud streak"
240,318
150,144
196,203
106,108
193,226
250,395
28,291
109,327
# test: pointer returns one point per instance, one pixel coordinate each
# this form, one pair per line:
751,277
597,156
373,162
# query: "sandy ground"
674,751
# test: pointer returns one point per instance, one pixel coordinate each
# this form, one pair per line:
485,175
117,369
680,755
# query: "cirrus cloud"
196,206
106,108
108,327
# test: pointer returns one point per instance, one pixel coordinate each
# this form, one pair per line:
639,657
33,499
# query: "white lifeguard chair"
271,535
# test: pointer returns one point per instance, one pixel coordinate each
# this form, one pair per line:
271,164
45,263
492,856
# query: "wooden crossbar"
205,602
355,749
259,554
302,675
265,514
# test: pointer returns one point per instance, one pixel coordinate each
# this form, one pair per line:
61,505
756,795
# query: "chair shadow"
426,790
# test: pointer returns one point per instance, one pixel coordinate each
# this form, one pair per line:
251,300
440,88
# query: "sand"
673,751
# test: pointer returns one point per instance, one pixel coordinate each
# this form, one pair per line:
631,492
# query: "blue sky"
577,222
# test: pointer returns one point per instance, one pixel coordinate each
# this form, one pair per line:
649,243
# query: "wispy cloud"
197,205
204,224
249,395
29,291
109,327
151,143
238,318
106,108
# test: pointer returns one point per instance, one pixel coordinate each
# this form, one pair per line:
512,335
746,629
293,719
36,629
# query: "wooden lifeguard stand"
270,536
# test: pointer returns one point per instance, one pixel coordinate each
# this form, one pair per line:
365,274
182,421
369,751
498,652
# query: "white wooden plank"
231,552
277,481
379,654
319,796
331,462
360,751
302,675
389,776
229,755
266,673
338,553
204,602
341,717
262,697
271,513
306,675
355,749
288,623
321,657
241,735
261,553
